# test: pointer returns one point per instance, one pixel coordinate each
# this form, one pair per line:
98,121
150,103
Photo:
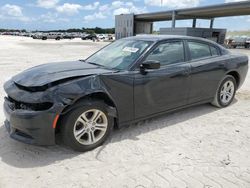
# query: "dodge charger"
125,82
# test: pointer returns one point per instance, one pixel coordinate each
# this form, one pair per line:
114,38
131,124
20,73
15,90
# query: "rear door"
166,88
207,68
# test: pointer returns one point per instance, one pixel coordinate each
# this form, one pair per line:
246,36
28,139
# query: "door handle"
185,73
222,65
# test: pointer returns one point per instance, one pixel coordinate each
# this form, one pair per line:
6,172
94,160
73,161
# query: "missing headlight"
30,106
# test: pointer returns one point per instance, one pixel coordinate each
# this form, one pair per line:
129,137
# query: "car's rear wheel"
87,127
225,92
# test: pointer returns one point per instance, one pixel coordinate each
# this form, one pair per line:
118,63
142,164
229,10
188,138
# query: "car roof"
156,38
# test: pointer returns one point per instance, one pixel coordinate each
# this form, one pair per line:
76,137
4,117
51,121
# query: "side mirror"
150,64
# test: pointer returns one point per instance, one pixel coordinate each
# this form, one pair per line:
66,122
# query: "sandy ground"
196,147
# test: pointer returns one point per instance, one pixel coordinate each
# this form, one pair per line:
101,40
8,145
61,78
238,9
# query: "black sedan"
89,37
127,81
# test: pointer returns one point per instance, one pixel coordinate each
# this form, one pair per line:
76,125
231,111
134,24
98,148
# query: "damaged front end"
37,97
16,105
31,114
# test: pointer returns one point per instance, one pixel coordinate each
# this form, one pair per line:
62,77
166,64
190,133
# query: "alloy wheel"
227,92
90,127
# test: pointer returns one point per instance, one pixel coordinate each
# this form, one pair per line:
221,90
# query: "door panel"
161,90
205,77
120,86
207,69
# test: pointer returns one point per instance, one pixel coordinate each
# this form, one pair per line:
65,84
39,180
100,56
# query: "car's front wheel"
86,127
225,92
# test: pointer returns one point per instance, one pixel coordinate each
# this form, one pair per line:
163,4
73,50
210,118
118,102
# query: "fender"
75,103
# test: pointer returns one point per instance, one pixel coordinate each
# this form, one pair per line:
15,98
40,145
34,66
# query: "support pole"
211,23
194,23
173,19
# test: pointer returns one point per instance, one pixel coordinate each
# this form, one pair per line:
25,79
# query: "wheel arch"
100,95
236,76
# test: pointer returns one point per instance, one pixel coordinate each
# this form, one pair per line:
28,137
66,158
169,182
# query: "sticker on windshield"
130,49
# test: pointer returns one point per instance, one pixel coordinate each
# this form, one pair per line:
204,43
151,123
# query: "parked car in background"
68,36
37,35
110,37
56,36
89,37
127,81
240,42
25,34
101,37
78,35
45,36
247,42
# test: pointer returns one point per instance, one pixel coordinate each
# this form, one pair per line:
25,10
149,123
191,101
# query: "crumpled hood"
52,72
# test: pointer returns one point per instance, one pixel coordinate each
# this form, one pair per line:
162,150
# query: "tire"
44,38
74,125
224,95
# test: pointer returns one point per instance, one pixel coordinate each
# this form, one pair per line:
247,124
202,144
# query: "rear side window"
214,51
168,53
199,50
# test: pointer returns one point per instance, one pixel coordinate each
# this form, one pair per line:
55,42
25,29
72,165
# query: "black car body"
38,97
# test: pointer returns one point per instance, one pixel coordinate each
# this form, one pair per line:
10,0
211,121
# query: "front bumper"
31,127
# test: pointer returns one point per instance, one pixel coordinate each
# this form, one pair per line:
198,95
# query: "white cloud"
48,18
117,4
12,12
91,6
121,11
230,1
115,8
173,3
69,8
52,18
47,3
129,10
66,8
94,16
104,8
129,7
129,4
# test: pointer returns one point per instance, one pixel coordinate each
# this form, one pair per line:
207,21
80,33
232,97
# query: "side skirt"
164,112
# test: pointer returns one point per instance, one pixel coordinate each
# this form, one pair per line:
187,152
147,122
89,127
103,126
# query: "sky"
64,14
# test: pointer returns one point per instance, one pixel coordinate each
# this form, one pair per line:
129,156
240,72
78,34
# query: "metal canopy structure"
133,24
206,12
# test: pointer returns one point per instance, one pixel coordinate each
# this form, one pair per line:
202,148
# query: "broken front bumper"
31,127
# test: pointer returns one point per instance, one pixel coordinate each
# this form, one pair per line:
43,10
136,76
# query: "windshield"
119,54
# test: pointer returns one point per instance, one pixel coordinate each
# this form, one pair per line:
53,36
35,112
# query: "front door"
165,88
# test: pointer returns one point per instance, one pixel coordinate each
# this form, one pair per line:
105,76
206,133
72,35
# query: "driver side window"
168,53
